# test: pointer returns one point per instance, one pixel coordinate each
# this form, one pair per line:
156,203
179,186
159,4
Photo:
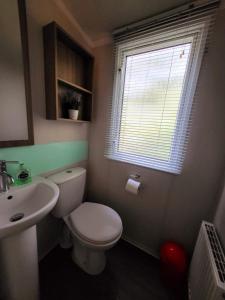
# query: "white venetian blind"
156,72
152,90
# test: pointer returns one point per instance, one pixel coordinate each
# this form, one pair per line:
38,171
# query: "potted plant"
74,105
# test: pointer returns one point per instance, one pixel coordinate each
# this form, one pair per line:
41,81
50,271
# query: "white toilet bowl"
94,227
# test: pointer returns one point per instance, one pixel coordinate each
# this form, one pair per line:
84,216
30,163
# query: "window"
154,85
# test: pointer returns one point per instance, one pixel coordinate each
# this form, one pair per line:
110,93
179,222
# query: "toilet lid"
96,223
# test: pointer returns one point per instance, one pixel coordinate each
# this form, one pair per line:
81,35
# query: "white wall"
169,206
40,13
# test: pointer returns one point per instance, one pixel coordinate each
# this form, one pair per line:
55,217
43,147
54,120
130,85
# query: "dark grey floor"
129,274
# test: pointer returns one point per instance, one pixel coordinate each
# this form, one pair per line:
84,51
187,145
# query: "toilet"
94,227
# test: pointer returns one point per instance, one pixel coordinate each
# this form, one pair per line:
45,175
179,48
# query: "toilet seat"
96,223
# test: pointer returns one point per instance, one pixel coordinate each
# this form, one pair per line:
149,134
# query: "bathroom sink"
21,208
24,206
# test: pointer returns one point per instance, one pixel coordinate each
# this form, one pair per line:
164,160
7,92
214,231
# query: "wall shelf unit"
68,75
73,85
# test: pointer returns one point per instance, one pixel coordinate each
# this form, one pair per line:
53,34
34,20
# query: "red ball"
173,260
174,255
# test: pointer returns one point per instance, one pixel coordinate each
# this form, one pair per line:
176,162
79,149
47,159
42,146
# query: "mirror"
16,126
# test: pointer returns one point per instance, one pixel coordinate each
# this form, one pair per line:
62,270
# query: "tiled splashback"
43,158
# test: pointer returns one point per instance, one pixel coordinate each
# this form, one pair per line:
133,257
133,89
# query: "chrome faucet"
5,178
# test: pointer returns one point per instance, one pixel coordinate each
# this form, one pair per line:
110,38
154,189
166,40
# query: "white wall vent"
207,270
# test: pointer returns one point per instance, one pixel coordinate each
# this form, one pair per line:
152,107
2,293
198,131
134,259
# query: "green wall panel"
45,157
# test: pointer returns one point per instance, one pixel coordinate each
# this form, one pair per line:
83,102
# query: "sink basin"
21,208
24,206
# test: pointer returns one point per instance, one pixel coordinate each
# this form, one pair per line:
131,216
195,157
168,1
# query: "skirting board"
141,247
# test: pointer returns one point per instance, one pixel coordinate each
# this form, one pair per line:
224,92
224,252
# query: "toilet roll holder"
133,184
135,176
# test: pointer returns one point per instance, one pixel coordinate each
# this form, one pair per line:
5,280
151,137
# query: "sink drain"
16,217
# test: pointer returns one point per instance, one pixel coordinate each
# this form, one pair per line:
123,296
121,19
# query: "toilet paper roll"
133,186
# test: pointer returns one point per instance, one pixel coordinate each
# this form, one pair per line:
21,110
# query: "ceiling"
98,18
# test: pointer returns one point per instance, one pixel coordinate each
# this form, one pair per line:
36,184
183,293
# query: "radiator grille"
216,250
207,269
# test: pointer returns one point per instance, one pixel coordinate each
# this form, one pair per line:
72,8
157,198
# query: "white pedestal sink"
21,208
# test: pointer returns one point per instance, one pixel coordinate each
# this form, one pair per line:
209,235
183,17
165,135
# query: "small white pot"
73,114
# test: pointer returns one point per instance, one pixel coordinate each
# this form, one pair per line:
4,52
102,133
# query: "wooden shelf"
73,121
73,85
68,75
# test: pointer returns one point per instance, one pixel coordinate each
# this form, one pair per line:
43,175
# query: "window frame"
195,34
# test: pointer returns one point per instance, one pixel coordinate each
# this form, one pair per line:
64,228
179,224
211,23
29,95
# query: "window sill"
164,170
